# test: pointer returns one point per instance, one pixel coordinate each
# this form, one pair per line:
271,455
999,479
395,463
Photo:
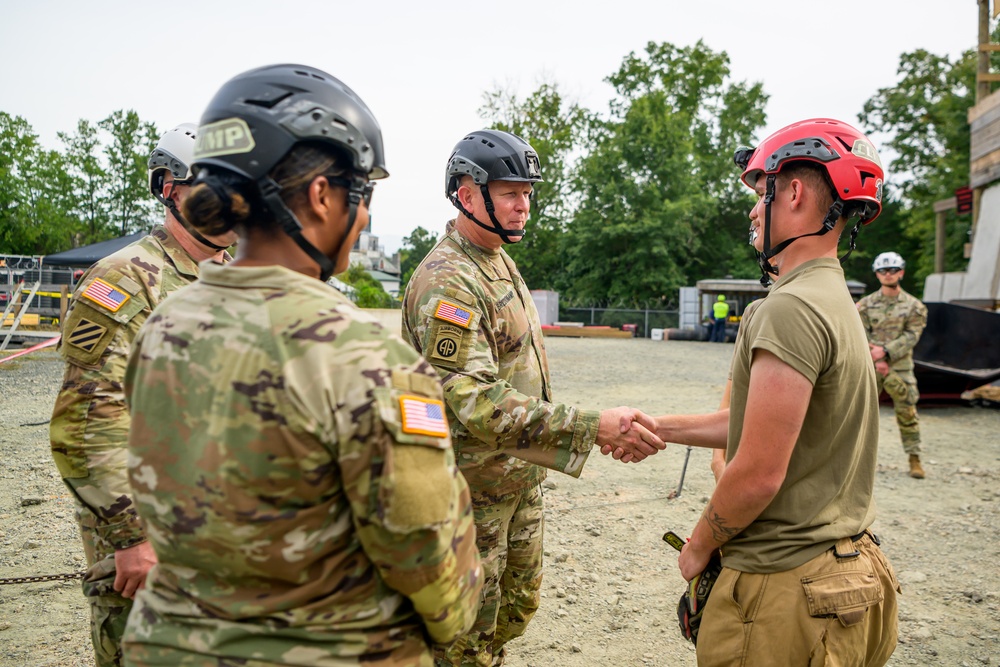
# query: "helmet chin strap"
271,194
833,214
505,234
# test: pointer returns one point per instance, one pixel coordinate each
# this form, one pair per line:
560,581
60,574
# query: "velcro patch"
447,343
450,312
86,335
423,415
106,295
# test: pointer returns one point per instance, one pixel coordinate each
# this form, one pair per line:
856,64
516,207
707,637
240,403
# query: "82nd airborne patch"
447,343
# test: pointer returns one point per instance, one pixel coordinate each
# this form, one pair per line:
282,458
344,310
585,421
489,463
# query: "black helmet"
491,155
257,117
260,115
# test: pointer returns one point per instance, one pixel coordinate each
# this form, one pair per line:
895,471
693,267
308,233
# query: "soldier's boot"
916,470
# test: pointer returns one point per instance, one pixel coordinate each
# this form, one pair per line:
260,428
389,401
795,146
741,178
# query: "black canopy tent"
85,256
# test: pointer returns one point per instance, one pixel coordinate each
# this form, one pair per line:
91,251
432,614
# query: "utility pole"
982,82
983,78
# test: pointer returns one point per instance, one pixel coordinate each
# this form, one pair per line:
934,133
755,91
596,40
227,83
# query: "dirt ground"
611,585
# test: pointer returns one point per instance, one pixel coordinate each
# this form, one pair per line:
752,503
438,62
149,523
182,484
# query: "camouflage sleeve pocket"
418,476
846,595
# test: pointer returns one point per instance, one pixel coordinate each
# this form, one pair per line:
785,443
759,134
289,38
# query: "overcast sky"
422,66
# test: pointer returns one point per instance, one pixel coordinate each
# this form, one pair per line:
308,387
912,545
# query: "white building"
370,254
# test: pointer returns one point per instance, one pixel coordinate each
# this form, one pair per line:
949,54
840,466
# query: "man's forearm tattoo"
722,532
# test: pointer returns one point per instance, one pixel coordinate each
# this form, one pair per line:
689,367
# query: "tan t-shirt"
809,321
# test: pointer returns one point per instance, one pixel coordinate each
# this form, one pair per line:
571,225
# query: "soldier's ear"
465,195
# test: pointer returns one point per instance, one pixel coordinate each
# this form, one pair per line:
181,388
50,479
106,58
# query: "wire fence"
644,319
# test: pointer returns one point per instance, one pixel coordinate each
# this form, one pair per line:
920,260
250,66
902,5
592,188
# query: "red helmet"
849,158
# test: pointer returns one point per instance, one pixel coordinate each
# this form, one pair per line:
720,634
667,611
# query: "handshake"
629,435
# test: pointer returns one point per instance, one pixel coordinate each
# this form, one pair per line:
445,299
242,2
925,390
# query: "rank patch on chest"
86,335
105,294
423,415
449,312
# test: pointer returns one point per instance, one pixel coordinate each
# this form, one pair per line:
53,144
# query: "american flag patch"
449,312
105,295
423,415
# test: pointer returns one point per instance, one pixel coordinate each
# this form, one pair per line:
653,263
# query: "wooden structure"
586,332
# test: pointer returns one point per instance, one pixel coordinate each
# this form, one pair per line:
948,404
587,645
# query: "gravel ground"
611,585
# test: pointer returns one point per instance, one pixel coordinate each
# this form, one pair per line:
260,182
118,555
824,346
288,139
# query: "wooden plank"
989,77
989,47
985,162
943,205
985,118
983,147
983,178
587,332
989,102
984,169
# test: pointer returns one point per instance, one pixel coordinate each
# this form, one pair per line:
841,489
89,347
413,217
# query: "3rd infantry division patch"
86,335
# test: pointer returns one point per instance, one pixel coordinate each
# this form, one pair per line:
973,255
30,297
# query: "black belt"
855,538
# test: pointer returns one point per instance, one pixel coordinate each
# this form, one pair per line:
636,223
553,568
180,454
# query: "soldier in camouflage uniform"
290,457
468,311
89,427
894,321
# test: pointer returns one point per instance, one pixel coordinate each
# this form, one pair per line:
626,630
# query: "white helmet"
888,260
174,152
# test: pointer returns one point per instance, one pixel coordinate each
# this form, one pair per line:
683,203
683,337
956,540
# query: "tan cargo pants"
832,611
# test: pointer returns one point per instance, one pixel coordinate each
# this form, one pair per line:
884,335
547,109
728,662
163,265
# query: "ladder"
18,291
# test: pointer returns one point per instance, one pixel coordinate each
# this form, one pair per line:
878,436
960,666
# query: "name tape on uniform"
450,312
423,415
105,294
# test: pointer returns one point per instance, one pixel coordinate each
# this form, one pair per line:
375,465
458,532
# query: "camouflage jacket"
468,311
89,427
292,464
894,323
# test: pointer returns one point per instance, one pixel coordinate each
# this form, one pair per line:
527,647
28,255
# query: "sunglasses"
891,272
366,190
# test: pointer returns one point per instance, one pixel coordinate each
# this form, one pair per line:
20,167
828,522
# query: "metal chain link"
42,577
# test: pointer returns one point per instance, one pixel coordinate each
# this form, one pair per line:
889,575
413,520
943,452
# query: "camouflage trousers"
509,535
901,386
108,610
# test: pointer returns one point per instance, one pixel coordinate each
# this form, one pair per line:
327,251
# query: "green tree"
556,129
660,204
415,247
34,219
923,121
89,184
131,141
369,291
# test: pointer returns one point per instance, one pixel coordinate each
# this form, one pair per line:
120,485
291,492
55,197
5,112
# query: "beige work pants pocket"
846,595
